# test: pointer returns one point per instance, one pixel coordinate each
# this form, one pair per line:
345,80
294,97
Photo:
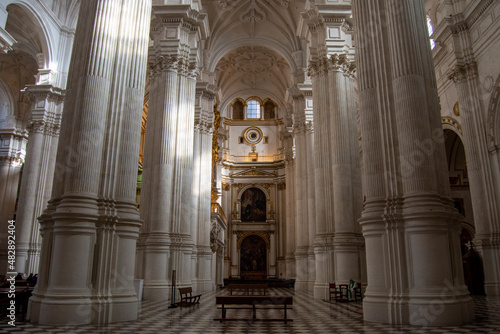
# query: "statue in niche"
253,205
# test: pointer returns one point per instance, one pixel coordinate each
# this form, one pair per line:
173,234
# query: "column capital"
44,92
340,62
462,72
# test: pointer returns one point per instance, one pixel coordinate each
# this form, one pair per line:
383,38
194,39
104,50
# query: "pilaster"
38,172
13,143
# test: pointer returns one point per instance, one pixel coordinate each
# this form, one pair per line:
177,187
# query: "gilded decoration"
456,109
226,186
282,186
215,155
453,122
242,235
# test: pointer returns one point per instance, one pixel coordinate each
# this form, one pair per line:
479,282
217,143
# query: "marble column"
12,155
325,229
203,136
347,198
304,192
90,227
166,242
38,173
410,226
480,170
289,233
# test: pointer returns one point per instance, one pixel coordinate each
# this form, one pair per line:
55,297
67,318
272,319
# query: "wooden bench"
187,297
256,302
258,288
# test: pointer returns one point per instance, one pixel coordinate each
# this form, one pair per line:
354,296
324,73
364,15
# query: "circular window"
253,135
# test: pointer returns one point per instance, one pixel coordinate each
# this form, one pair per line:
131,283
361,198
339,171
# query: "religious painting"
253,253
253,205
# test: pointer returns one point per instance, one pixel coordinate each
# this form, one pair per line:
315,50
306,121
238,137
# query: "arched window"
253,109
238,110
431,30
269,110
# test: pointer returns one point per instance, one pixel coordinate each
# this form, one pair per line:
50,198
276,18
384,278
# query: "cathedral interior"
147,145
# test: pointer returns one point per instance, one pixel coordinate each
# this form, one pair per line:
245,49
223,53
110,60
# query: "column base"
321,292
156,291
57,311
492,289
424,312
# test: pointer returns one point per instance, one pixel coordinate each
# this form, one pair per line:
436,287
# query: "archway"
253,258
460,193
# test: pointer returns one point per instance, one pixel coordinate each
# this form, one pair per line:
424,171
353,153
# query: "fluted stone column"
304,191
291,221
410,226
90,227
479,168
12,157
167,203
203,136
347,199
38,173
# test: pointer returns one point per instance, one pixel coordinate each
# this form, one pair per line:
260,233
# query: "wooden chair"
334,291
187,297
357,292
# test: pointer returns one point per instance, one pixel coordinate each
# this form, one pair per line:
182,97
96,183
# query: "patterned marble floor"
309,316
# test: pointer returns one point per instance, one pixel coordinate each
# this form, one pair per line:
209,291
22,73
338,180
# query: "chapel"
152,144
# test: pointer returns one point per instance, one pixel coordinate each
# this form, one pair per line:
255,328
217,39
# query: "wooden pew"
256,302
254,288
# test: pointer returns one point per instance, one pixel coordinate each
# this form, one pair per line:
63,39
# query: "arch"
450,123
253,205
250,92
237,109
269,109
251,41
38,18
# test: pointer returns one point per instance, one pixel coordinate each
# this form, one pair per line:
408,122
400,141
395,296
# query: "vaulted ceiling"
254,46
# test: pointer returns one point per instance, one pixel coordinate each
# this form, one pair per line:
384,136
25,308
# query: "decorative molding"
242,235
282,186
461,72
452,122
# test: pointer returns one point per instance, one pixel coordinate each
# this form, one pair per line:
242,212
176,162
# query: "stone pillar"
323,244
90,227
38,173
203,136
347,200
304,191
479,168
13,145
410,226
166,242
291,220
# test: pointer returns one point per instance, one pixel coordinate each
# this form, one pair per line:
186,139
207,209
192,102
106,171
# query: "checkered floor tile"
309,316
